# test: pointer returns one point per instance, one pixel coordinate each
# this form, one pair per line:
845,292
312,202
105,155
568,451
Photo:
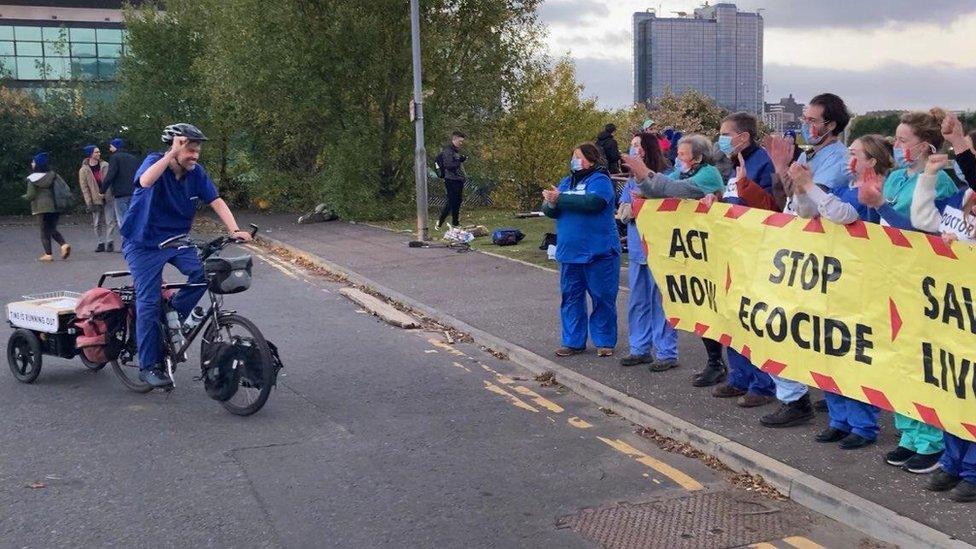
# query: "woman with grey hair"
694,174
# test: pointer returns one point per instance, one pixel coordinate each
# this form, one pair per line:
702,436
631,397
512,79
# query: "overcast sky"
876,54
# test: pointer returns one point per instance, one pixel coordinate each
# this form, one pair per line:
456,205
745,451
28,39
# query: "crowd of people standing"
105,187
905,180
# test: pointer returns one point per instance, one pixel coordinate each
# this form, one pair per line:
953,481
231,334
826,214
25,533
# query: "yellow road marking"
462,366
516,401
505,380
441,345
680,478
801,542
279,268
430,351
763,546
579,423
539,399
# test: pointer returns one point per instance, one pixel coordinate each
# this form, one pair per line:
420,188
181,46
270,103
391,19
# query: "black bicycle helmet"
182,129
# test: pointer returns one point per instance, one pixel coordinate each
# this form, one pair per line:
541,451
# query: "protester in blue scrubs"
647,324
588,252
168,187
852,423
824,120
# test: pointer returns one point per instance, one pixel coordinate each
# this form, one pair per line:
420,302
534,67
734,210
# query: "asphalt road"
375,437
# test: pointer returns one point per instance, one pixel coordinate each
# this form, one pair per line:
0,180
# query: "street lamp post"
420,152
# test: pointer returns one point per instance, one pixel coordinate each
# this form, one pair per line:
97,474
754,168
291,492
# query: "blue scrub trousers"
600,279
959,458
745,376
852,416
647,324
787,390
146,266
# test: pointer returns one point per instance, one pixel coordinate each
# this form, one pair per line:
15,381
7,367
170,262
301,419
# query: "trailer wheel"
94,366
24,355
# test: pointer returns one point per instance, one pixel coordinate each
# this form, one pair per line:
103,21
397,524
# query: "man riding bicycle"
168,186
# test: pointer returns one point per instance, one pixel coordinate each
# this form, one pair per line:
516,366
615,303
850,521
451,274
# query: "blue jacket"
585,235
635,248
759,168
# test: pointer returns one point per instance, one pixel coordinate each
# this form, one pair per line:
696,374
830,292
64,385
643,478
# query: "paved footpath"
375,437
519,303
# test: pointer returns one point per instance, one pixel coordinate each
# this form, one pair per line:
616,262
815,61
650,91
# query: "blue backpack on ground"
506,237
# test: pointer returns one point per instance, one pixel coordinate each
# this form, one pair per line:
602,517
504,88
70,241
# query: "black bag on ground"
507,237
548,240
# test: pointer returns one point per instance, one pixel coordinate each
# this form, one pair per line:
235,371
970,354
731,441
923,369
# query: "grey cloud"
889,87
893,86
571,12
609,80
856,14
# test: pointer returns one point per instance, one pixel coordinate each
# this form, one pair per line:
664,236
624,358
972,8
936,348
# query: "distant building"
717,50
785,115
49,41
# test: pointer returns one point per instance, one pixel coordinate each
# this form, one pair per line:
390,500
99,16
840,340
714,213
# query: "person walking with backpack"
40,193
90,176
118,181
450,164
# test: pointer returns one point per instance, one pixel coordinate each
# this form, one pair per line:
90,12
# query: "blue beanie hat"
40,161
117,143
89,149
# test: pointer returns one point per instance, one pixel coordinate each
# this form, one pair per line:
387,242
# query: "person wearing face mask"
918,136
852,423
750,186
694,175
647,324
824,119
588,252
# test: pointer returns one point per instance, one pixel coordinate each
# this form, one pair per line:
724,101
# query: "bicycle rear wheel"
126,367
257,375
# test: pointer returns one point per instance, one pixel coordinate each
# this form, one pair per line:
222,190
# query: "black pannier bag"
228,275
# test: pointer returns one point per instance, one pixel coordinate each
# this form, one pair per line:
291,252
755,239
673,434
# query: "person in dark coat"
122,168
611,151
451,163
40,194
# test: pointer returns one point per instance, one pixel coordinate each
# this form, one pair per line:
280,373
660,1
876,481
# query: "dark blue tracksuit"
157,213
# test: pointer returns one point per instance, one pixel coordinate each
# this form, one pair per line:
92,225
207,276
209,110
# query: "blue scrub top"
635,248
587,236
829,166
167,208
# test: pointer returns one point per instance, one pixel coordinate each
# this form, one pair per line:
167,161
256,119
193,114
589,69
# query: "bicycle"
252,370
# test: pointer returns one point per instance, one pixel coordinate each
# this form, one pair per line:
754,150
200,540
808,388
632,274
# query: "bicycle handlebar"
206,249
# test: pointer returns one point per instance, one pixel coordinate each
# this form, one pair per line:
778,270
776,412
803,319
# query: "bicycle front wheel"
255,366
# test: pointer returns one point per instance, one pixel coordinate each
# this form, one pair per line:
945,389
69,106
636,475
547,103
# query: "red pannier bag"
100,316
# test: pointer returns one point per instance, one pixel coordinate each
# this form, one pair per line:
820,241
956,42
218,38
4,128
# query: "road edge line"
812,493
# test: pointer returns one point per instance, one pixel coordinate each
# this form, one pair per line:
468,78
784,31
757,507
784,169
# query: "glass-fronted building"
717,50
44,43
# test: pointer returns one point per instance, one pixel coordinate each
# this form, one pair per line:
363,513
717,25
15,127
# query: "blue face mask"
900,159
576,164
725,144
807,130
633,151
680,165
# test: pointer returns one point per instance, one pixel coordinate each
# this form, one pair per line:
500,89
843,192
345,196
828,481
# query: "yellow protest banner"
874,313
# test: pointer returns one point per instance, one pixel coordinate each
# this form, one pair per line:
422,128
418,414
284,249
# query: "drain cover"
721,519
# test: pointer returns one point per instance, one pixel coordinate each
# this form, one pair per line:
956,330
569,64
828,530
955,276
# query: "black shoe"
921,464
634,360
853,442
713,374
964,492
831,435
155,377
100,248
110,247
788,415
899,456
940,481
662,365
820,405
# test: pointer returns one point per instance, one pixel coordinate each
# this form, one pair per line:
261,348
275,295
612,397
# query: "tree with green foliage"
690,112
534,140
881,125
